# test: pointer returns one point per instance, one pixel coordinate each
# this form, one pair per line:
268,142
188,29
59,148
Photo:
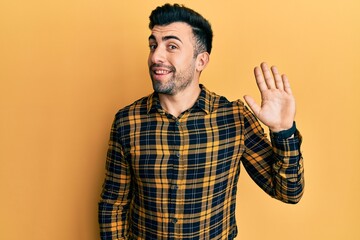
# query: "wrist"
284,134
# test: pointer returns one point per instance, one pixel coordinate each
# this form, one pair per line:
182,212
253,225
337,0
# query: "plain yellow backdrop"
67,66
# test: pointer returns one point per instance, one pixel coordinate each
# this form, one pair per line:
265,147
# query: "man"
174,156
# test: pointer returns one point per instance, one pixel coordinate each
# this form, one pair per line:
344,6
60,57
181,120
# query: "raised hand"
277,109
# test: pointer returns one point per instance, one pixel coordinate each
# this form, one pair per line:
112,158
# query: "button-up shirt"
176,177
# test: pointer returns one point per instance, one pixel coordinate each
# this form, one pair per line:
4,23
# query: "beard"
178,81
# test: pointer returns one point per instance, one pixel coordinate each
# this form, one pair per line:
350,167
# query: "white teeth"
161,72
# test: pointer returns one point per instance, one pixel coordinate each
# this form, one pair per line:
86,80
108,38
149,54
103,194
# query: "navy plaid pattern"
176,178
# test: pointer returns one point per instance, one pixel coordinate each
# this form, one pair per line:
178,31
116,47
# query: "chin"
162,88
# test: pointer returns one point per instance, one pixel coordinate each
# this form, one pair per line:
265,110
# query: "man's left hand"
277,110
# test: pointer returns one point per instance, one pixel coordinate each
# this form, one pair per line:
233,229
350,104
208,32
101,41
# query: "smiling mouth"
158,69
161,72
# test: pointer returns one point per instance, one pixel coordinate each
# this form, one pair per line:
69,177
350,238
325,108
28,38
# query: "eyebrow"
165,38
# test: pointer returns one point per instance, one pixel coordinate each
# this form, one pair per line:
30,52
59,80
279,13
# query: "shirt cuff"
285,134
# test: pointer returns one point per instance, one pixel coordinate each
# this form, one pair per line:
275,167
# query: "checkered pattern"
176,178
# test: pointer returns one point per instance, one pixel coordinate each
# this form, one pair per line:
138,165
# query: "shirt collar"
205,102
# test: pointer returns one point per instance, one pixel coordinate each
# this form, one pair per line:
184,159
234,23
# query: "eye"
172,47
152,46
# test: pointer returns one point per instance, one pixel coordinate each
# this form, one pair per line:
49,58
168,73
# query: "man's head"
180,43
201,28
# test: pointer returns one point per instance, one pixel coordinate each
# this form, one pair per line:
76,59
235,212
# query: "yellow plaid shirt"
176,178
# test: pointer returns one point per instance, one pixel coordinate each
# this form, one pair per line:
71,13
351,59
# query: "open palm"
277,109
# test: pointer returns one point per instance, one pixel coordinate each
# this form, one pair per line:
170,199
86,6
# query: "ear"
202,60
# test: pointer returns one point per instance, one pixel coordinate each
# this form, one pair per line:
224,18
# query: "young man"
174,156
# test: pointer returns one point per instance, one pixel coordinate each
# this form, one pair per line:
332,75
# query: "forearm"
114,201
277,166
112,220
288,169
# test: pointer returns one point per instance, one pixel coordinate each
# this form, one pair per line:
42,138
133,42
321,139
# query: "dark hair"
201,28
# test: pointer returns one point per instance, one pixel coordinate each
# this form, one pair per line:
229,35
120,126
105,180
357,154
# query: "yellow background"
67,66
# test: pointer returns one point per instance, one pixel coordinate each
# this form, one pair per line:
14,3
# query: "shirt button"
178,154
175,187
177,123
174,220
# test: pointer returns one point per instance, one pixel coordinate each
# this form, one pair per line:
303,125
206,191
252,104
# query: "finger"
268,76
278,80
286,83
260,81
253,105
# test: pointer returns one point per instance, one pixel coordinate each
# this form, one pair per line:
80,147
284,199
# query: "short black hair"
167,14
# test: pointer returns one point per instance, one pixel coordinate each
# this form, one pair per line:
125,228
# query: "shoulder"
133,110
214,102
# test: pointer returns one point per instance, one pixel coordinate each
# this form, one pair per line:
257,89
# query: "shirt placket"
177,177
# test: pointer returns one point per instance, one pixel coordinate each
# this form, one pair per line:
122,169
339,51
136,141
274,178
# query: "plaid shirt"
176,178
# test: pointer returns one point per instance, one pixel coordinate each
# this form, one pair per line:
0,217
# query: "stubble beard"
177,83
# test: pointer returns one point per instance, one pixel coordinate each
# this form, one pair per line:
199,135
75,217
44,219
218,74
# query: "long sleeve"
277,167
288,168
116,194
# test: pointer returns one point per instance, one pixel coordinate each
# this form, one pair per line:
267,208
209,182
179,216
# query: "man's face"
171,60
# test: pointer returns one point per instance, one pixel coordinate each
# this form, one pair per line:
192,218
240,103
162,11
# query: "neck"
180,102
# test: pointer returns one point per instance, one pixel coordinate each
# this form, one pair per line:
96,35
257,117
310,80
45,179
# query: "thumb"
252,104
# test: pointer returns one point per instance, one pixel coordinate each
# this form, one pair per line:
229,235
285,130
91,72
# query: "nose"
157,55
